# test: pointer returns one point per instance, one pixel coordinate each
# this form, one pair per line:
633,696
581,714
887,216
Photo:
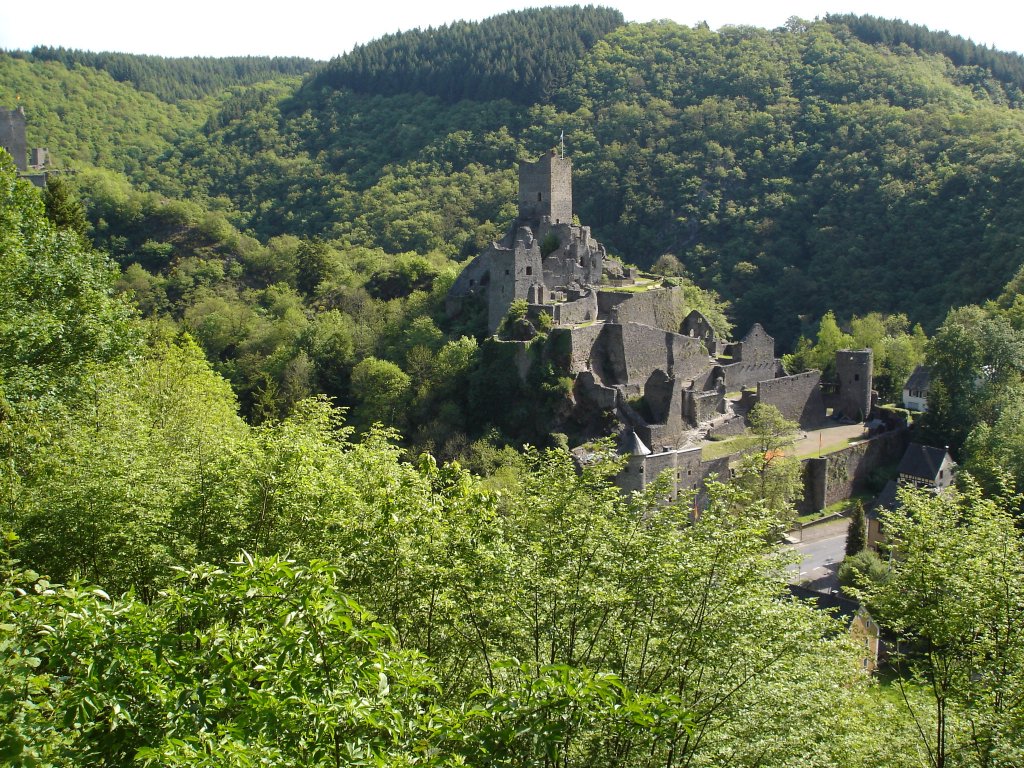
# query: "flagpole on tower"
561,140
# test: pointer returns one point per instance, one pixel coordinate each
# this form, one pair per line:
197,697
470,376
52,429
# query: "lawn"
719,448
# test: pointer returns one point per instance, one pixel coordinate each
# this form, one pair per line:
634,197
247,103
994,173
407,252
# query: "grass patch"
719,448
638,287
816,454
841,506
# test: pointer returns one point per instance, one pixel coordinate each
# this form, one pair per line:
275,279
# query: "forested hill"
177,79
793,170
979,64
523,56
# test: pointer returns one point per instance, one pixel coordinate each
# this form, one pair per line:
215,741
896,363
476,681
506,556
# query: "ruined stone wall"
512,271
845,473
757,347
632,352
689,473
734,426
582,310
698,326
854,369
578,259
740,375
798,397
703,406
12,136
573,347
659,308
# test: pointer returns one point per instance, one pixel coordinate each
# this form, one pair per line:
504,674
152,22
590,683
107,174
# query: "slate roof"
635,445
886,499
922,461
919,379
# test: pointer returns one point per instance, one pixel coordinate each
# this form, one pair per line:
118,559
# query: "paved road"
822,551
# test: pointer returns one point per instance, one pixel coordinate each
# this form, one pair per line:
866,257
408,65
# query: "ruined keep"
659,374
12,136
12,139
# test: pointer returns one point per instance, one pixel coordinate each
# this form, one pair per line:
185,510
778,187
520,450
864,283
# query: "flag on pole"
561,141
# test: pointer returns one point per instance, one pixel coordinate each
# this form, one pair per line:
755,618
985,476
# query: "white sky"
322,30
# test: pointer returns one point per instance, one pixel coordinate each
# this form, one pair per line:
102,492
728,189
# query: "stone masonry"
636,354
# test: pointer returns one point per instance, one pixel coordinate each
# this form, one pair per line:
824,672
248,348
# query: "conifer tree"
856,537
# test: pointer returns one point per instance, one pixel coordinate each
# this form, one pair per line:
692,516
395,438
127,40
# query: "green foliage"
57,313
550,244
382,388
521,55
862,568
263,661
62,208
1007,68
178,79
856,535
766,471
953,601
976,359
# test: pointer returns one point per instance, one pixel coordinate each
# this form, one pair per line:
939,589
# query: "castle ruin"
12,139
633,350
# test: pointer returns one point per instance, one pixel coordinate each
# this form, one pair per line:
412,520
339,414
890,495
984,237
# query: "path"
822,550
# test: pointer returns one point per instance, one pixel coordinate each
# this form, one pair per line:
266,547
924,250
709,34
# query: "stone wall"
729,428
12,136
688,473
659,308
747,374
582,310
698,326
545,189
572,347
632,352
511,271
703,406
757,347
797,397
854,369
844,473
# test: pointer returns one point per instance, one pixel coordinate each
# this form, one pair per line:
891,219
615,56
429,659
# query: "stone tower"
854,369
545,189
12,136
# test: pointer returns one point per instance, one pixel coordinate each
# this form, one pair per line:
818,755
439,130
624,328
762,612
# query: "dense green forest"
524,56
175,80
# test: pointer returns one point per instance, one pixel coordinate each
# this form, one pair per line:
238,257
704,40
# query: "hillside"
298,227
791,170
